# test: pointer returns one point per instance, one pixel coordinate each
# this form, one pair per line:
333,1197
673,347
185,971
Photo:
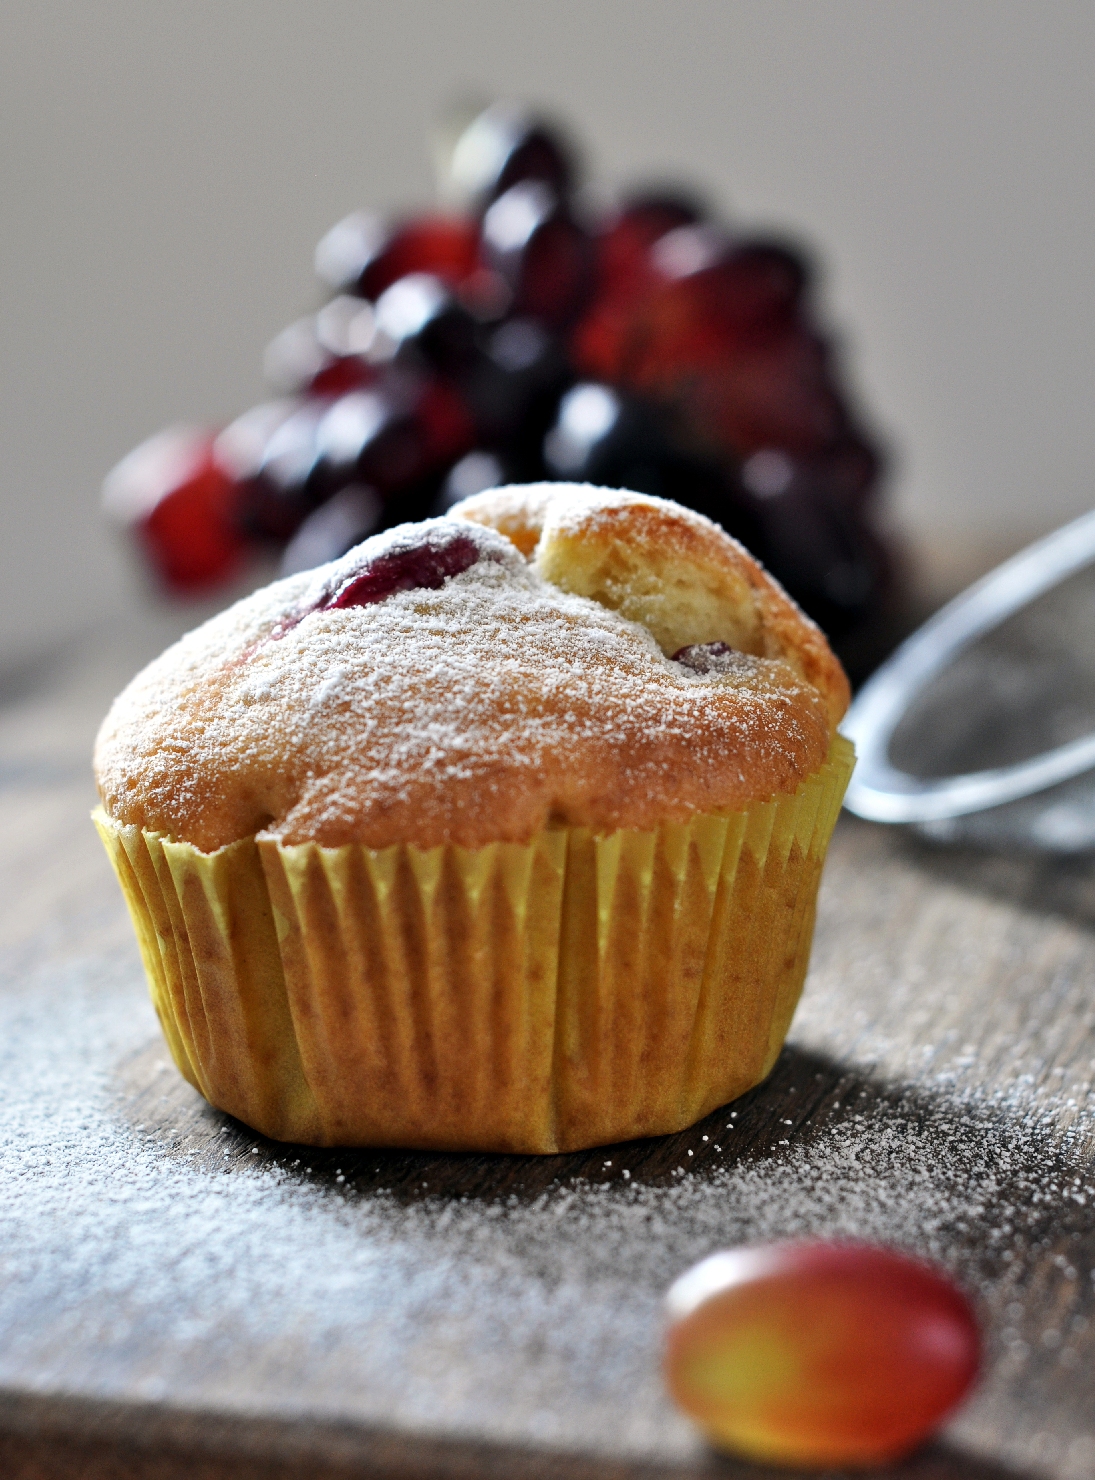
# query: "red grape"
425,566
543,256
324,353
623,245
341,374
419,320
819,1353
182,507
362,255
289,481
393,435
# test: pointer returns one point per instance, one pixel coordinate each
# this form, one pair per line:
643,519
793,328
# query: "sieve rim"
881,791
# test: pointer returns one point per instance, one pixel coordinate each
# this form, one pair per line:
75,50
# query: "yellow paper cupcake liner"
567,992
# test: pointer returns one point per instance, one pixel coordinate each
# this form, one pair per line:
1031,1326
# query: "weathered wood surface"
180,1297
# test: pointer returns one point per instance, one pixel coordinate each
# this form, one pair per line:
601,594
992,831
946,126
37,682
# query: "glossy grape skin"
342,374
718,330
623,245
704,303
364,255
604,436
289,480
393,436
182,507
422,567
819,1353
513,390
543,256
420,323
324,353
505,145
809,530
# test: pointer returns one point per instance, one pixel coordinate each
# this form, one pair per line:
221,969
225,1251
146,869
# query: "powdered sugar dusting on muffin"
669,569
478,710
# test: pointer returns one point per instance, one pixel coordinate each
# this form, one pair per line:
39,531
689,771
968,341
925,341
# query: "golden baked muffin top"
548,655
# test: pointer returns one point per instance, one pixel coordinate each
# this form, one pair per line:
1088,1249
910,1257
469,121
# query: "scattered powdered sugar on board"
180,1255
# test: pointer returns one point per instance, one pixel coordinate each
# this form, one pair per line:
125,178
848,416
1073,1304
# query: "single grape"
370,435
624,242
513,388
294,356
444,425
774,391
302,358
791,266
542,254
420,322
343,253
811,537
598,424
240,448
182,508
298,361
345,325
592,429
363,255
393,435
290,480
709,657
703,303
426,566
342,374
826,1354
603,435
503,146
690,249
750,279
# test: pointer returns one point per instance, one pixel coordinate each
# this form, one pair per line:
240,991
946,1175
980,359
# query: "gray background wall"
167,167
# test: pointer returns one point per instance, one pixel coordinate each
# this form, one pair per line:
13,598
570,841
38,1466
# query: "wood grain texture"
180,1296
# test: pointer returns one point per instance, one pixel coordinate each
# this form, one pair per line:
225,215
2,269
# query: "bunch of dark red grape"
652,348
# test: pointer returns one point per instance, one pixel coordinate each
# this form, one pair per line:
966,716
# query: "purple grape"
505,145
542,254
426,566
418,320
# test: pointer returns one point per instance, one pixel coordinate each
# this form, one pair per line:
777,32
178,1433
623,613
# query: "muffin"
503,832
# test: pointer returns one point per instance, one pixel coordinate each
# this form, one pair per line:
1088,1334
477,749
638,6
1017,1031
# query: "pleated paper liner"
567,992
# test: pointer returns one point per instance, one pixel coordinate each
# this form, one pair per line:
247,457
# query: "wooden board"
181,1297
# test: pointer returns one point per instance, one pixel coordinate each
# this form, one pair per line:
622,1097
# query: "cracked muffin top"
547,655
